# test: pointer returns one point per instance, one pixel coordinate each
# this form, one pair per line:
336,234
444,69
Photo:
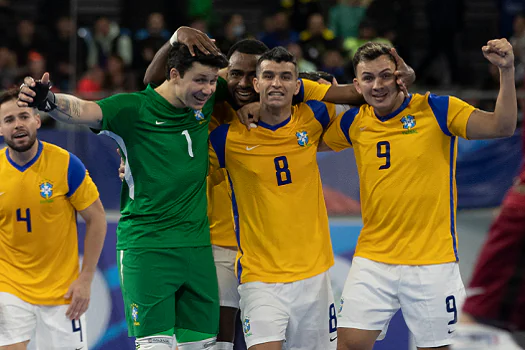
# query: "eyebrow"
384,70
272,72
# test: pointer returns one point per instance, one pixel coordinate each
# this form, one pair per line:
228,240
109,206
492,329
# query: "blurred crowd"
103,58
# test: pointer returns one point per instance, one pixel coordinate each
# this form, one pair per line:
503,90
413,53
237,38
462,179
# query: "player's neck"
169,95
22,158
399,101
274,115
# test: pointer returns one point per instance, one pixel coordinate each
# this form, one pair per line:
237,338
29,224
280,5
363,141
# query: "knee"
157,342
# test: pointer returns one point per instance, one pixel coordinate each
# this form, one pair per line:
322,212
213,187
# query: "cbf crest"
198,114
302,138
135,314
409,122
46,189
246,327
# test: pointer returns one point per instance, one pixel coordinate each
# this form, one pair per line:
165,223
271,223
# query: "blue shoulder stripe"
218,142
320,112
439,105
76,172
346,121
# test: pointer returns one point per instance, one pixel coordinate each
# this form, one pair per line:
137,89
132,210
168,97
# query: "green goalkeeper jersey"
163,199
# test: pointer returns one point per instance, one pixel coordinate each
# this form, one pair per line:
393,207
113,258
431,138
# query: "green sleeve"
119,112
221,92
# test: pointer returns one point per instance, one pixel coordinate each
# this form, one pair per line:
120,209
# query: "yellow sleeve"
85,195
311,90
214,161
458,115
337,136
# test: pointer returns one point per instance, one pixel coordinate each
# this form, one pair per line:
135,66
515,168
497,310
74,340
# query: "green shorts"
169,288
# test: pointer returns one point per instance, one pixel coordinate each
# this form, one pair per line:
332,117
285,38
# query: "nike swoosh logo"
450,332
363,128
333,339
159,123
250,148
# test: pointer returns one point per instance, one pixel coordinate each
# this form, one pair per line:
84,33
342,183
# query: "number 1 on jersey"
383,151
188,138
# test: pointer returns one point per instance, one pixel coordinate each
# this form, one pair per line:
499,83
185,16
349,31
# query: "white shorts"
300,313
430,297
46,326
482,337
228,282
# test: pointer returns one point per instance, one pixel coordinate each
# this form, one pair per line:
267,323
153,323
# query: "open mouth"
200,99
380,97
244,95
20,135
276,94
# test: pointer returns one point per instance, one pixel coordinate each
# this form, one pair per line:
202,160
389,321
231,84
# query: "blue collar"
276,126
28,164
397,111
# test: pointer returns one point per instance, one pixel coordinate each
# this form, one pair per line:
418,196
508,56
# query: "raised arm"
156,71
501,122
62,107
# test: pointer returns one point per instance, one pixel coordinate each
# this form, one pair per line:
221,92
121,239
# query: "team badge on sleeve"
341,303
46,190
408,122
302,138
246,327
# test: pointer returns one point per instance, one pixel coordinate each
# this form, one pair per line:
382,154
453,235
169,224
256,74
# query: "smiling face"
241,73
376,81
277,83
18,126
197,85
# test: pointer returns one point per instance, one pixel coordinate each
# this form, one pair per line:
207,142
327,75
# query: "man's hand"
405,75
27,92
499,52
79,292
249,114
193,37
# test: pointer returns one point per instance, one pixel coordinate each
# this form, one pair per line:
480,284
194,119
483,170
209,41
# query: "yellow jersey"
220,212
281,222
38,227
407,164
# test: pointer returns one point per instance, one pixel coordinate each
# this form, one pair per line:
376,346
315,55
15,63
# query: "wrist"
87,275
173,38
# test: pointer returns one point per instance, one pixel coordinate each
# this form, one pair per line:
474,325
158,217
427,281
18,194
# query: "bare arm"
156,71
501,122
96,227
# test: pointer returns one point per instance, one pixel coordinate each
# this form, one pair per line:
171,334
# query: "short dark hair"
315,76
248,46
180,58
8,95
277,54
370,51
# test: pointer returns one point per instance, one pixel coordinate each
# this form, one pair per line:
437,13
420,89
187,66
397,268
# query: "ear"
357,87
38,121
297,87
256,85
174,75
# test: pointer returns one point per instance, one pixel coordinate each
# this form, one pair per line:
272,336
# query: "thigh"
264,315
228,283
149,280
17,320
313,318
55,331
197,301
431,297
369,299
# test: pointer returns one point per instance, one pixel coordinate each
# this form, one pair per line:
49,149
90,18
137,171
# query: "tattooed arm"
73,110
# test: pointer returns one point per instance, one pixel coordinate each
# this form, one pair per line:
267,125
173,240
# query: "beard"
22,148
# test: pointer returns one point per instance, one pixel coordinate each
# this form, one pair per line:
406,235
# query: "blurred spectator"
7,21
202,9
27,39
63,70
518,43
36,65
300,11
445,21
334,63
302,64
149,40
90,85
234,30
278,32
508,9
200,24
317,39
344,18
118,78
8,71
108,40
367,32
